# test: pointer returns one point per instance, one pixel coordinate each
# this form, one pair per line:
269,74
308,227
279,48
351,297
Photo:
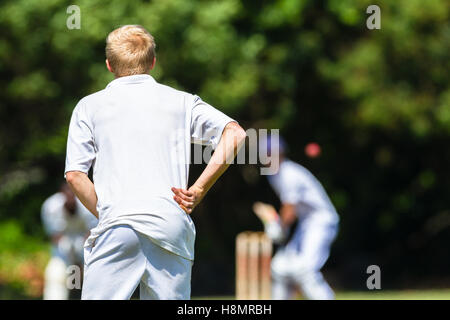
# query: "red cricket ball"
312,150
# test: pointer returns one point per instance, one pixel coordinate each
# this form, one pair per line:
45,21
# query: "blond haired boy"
136,133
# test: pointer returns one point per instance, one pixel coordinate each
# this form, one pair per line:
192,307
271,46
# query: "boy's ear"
153,64
108,66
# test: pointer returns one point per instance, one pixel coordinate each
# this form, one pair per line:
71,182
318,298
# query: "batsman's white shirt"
137,134
294,184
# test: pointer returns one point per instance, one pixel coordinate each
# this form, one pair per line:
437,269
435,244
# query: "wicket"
253,257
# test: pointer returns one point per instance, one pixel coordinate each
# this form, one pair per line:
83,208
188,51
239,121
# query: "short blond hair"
130,50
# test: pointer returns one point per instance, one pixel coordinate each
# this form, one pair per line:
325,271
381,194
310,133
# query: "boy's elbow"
72,177
237,131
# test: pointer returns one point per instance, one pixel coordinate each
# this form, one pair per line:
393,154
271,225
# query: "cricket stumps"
253,257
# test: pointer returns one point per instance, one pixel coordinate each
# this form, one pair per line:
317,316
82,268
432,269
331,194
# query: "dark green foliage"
377,101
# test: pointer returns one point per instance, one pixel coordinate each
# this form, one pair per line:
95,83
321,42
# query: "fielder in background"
303,200
67,222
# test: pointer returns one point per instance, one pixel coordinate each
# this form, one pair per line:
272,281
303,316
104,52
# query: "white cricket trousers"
301,266
121,259
55,280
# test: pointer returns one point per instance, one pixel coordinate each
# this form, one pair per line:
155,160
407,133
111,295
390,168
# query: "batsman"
306,206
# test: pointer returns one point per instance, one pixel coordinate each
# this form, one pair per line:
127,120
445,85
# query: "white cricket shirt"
294,184
56,219
137,134
72,228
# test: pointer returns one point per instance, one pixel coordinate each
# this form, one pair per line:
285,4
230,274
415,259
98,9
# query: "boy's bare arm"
84,189
233,137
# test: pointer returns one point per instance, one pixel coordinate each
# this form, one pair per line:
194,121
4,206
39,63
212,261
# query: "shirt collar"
135,79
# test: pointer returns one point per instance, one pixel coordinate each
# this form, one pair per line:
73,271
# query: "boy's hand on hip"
188,199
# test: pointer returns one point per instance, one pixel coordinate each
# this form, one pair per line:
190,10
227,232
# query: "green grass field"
441,294
432,294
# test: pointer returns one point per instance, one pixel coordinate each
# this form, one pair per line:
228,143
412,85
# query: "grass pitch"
432,294
437,294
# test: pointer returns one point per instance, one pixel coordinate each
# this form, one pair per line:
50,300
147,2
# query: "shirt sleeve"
80,142
207,123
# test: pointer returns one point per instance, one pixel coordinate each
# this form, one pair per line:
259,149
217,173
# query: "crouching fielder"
298,262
